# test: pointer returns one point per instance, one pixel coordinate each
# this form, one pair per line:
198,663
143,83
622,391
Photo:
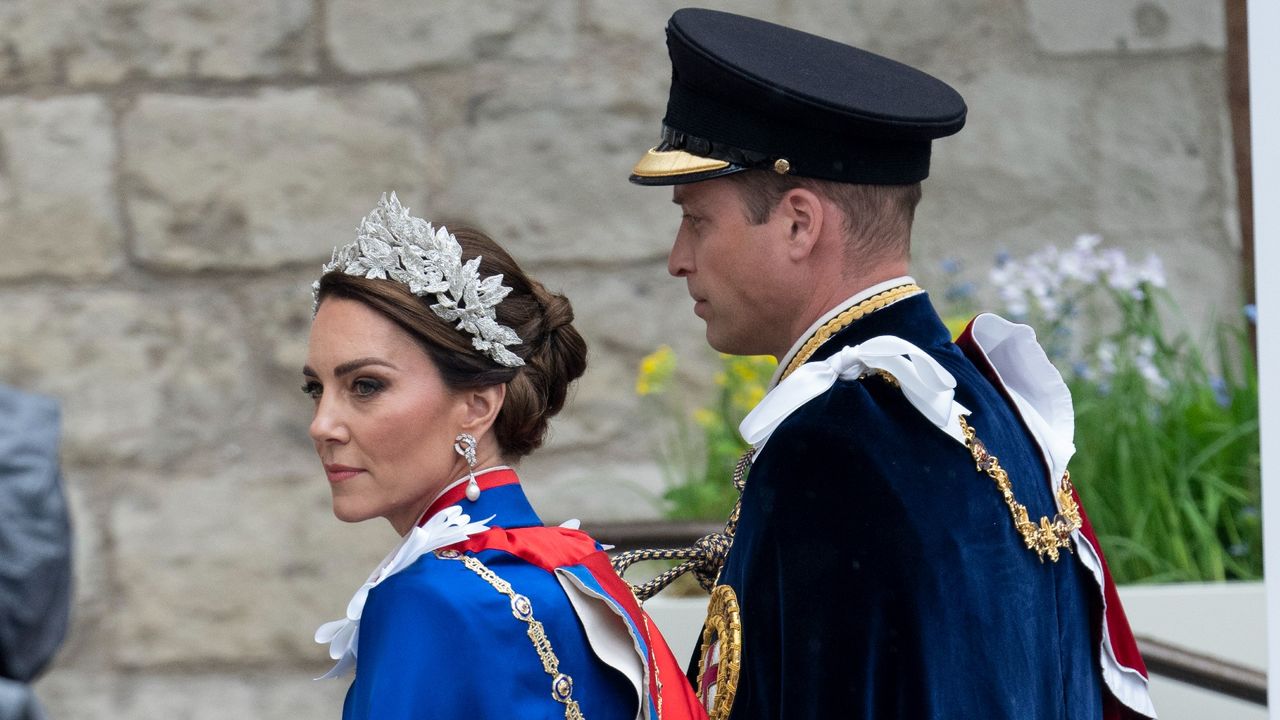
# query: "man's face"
733,269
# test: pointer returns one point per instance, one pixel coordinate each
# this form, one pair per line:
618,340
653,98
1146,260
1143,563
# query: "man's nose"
679,259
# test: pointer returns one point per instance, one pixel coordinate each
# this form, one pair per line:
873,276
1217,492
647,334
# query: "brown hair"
877,217
554,353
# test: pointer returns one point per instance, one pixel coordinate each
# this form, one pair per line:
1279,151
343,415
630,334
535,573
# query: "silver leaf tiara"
392,244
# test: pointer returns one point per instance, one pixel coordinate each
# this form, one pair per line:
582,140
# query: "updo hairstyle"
553,352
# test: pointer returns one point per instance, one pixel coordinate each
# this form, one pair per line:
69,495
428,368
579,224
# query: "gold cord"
844,319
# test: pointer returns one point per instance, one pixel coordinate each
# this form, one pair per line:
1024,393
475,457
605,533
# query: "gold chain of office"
522,609
1045,537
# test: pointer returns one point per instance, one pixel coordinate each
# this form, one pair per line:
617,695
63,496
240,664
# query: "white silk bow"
925,383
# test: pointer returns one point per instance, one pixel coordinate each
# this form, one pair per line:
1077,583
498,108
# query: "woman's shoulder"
482,571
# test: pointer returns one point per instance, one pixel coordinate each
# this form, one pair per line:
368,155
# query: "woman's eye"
365,387
312,388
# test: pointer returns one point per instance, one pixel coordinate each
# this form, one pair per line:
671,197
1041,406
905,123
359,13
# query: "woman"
434,362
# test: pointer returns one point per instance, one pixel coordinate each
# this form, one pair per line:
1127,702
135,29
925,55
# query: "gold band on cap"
671,163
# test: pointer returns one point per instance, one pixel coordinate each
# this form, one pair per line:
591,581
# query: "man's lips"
338,473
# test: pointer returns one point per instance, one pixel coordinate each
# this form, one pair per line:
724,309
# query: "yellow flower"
956,324
705,417
656,370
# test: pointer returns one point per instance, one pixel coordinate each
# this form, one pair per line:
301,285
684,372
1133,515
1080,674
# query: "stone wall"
173,172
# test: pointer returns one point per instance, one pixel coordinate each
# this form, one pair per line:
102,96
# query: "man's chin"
733,344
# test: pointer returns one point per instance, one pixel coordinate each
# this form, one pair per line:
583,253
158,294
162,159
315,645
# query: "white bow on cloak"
925,383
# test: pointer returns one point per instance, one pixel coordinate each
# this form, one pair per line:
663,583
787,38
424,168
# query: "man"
35,548
908,544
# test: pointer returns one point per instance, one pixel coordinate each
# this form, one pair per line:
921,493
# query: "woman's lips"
339,473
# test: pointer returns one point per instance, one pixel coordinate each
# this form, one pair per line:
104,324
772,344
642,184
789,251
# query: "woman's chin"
349,512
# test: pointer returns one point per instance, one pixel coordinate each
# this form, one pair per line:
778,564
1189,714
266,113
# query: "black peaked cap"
751,94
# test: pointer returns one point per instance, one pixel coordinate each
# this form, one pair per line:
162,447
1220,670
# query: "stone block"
144,378
1122,26
549,179
87,41
647,21
1159,134
403,34
86,490
238,565
58,212
602,485
293,173
271,694
278,310
1016,174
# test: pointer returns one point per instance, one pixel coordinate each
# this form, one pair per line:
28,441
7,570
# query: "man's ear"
804,214
480,408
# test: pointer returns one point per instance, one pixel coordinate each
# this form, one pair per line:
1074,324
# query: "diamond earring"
465,445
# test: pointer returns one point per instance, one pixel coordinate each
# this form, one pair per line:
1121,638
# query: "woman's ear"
480,408
803,212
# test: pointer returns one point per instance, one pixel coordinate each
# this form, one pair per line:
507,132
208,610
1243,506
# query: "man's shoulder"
856,413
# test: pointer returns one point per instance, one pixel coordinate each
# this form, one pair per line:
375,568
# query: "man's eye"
312,388
365,387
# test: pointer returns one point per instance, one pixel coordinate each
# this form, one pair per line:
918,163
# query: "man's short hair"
877,221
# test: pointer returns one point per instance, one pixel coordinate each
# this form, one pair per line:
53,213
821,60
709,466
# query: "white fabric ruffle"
447,527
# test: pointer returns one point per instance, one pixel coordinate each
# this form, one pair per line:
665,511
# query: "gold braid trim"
1045,537
844,319
522,609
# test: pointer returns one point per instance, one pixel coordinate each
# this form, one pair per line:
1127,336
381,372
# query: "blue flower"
951,266
1002,258
1238,550
1220,391
1251,313
961,291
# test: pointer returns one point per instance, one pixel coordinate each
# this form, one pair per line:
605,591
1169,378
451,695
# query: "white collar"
447,527
857,298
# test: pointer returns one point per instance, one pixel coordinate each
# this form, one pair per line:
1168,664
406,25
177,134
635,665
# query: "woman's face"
385,422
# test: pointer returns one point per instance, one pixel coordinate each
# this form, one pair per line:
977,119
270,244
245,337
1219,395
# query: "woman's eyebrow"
351,366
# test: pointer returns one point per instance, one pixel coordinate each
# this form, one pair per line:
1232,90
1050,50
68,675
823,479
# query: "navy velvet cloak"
880,574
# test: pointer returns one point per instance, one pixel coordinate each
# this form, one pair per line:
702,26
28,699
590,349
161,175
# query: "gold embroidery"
1046,537
522,609
657,679
844,319
722,645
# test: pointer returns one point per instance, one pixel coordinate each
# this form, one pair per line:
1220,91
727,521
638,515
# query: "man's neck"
836,293
860,296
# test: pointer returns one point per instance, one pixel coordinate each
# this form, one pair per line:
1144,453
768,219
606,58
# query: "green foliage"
1167,456
1169,473
704,445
